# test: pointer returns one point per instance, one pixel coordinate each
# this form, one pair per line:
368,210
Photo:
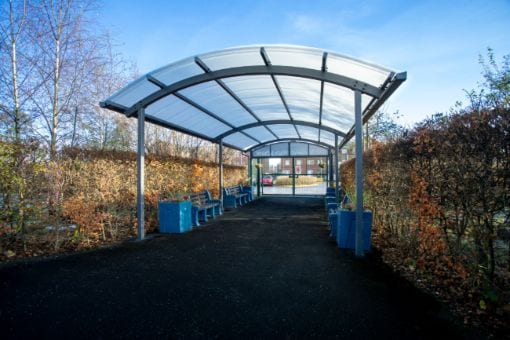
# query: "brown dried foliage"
440,195
95,191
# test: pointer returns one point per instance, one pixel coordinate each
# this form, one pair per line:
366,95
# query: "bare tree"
67,54
13,19
102,128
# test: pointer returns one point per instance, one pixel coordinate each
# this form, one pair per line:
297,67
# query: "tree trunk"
13,35
75,119
55,102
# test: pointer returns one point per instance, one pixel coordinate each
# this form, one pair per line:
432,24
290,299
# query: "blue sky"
436,42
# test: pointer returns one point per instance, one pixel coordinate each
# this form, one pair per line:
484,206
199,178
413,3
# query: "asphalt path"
267,270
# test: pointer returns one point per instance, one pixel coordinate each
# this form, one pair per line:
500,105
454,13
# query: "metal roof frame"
290,140
378,95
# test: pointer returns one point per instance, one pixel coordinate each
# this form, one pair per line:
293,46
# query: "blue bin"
174,217
346,229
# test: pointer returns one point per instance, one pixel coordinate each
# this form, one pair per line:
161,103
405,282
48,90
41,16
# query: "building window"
298,162
287,162
309,162
309,172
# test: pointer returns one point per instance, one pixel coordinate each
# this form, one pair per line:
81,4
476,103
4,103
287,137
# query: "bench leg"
194,219
205,215
212,212
229,202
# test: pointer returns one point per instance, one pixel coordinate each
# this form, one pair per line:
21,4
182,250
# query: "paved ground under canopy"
268,270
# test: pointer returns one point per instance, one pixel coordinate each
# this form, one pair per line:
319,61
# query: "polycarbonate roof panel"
223,91
337,107
295,56
212,97
327,137
356,69
260,94
240,140
281,149
177,71
174,110
264,151
234,57
134,92
308,132
284,131
261,133
302,96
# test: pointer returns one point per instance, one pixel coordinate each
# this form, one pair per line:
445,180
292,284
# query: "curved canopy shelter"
248,96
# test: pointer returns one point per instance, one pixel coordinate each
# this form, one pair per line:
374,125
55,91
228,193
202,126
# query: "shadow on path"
267,270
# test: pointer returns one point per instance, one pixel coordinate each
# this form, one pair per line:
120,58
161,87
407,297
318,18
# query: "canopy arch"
313,148
246,96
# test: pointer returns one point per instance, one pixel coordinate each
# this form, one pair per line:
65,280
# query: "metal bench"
248,191
233,196
203,206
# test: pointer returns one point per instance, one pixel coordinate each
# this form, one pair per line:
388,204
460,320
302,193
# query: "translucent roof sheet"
289,149
259,93
213,98
247,96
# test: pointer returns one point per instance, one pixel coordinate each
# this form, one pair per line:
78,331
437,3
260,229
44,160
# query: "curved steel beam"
286,140
280,121
301,72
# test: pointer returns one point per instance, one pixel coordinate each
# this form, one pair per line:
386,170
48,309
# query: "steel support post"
359,174
337,179
330,168
250,170
258,177
293,176
220,161
140,174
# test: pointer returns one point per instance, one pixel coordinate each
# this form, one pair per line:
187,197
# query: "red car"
267,181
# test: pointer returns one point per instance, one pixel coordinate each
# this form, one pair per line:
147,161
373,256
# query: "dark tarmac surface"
267,270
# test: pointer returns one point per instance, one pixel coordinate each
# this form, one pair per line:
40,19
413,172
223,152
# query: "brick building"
304,165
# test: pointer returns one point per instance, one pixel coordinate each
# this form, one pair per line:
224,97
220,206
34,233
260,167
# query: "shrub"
94,190
440,195
301,180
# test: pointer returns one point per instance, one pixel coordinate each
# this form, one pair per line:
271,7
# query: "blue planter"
174,217
333,222
346,229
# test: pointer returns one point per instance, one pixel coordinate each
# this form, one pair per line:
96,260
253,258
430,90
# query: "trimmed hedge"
439,196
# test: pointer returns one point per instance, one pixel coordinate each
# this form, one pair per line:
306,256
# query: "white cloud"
306,24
